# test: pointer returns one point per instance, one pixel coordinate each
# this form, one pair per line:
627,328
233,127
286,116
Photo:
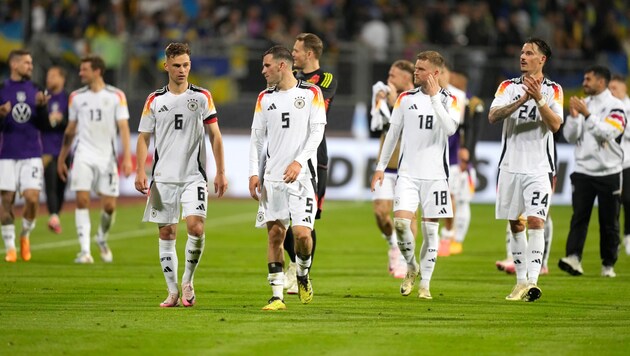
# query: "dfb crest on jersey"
20,96
153,212
299,102
260,217
193,105
21,112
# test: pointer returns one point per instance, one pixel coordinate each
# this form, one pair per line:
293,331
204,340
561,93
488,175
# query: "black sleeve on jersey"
331,86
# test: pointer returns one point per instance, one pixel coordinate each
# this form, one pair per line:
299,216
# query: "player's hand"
577,106
126,167
532,87
62,169
254,187
377,179
41,98
5,109
141,182
292,172
220,184
432,87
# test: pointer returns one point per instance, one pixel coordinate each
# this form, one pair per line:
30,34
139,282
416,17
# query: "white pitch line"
216,222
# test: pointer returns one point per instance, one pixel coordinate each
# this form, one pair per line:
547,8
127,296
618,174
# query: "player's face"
23,66
399,78
299,55
592,84
87,73
532,61
54,79
178,68
272,70
423,70
618,89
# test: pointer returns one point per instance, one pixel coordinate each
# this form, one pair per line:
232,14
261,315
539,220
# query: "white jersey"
177,122
462,183
527,143
461,101
625,143
97,114
425,123
598,139
288,118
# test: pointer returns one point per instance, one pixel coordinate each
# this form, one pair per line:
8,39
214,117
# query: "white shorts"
433,195
386,191
294,203
101,177
18,175
525,194
165,199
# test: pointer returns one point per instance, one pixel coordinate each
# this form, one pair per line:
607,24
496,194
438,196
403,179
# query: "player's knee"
401,225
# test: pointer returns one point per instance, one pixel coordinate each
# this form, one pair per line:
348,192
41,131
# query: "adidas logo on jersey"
201,207
307,219
541,212
163,108
443,211
271,107
413,107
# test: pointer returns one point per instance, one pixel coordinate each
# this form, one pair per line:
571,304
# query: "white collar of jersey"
603,95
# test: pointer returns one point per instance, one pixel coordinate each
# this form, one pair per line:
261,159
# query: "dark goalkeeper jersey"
328,84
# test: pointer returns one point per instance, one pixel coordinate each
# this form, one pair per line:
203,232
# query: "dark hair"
543,47
618,78
96,62
62,72
432,57
175,49
404,65
281,53
18,53
311,42
600,72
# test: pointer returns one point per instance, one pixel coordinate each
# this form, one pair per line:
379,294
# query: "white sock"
168,260
107,220
276,281
548,239
303,266
536,245
8,235
27,227
428,251
194,250
406,241
82,219
392,240
519,251
446,234
462,221
508,242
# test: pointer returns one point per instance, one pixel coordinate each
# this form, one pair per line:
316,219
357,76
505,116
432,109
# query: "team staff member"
596,124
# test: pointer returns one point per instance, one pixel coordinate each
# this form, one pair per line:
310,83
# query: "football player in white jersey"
96,112
530,108
290,115
426,116
399,79
178,116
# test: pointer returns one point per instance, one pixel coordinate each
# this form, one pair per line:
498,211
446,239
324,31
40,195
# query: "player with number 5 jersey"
425,117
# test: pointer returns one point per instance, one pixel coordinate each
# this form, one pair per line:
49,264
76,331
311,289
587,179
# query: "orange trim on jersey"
209,97
122,97
72,95
318,99
616,120
557,94
397,104
258,102
147,104
502,87
454,104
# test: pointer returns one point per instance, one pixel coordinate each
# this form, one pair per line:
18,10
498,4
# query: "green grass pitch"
52,306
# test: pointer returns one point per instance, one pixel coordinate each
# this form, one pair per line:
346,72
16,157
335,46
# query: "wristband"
541,102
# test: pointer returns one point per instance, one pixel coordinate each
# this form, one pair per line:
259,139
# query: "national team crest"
193,105
299,102
260,217
153,213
